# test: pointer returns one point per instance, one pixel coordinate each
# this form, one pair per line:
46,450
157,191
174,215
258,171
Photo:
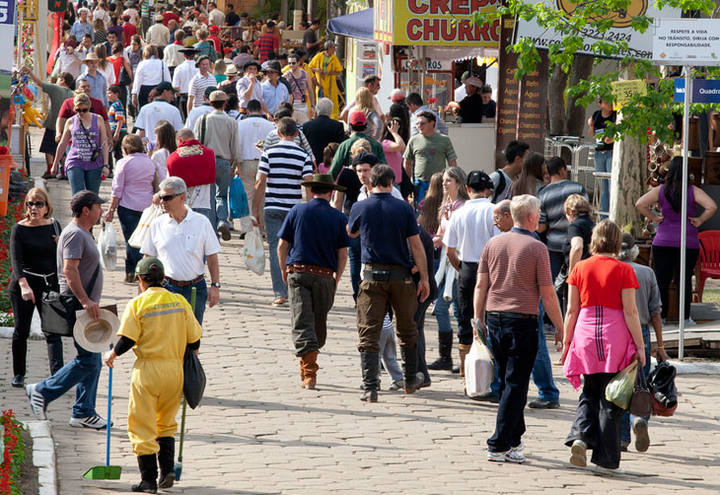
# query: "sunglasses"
168,197
36,204
82,110
292,63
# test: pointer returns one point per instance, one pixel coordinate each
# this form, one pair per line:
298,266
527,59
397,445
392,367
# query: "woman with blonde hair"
602,337
33,246
364,102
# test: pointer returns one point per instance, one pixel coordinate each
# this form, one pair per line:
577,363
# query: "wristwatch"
216,284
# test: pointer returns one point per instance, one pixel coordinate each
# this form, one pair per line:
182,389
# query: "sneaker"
48,176
642,439
95,422
690,322
578,454
37,402
279,301
509,456
519,448
609,471
543,404
19,381
397,385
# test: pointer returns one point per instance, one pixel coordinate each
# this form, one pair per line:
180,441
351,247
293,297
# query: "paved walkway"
259,432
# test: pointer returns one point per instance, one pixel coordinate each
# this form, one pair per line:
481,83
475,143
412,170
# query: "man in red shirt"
195,164
268,43
129,30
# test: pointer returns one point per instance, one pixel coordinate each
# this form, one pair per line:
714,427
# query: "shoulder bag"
641,403
57,310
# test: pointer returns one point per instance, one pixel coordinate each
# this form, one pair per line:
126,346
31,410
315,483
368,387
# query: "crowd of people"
170,106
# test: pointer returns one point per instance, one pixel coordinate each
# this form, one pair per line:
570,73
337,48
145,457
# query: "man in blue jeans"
281,170
79,273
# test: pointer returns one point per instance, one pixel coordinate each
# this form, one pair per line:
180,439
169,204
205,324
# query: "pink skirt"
601,343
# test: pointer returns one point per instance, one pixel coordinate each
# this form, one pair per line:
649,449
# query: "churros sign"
435,22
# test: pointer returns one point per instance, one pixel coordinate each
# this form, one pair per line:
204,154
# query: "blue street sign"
704,90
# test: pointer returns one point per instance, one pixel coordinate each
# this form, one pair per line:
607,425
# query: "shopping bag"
479,370
254,251
193,379
149,214
620,389
107,245
239,207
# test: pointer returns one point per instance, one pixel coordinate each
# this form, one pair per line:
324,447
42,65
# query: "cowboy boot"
166,459
370,363
444,362
309,367
410,375
464,350
148,474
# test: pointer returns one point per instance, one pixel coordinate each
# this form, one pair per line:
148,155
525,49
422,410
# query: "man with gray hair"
322,130
647,298
513,275
181,239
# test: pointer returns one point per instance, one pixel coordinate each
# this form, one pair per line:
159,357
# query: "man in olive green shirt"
358,124
426,153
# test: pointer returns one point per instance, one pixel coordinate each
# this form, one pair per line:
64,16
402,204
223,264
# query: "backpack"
207,48
500,187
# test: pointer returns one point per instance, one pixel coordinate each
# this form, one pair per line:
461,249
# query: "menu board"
521,104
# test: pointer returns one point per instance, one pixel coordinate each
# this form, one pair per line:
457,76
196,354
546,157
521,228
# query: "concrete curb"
35,332
44,456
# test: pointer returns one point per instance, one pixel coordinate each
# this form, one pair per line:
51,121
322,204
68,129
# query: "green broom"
106,472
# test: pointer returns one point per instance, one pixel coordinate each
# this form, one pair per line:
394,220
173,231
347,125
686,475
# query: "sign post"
687,42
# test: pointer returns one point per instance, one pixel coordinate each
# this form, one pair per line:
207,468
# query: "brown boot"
309,367
464,349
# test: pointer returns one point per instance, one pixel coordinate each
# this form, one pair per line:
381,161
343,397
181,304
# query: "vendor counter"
474,145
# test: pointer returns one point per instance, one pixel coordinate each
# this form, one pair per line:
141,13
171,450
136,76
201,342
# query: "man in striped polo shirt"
202,80
281,170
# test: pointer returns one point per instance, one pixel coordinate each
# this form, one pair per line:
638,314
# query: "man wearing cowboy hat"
161,108
98,83
312,253
202,80
249,87
182,76
79,273
158,325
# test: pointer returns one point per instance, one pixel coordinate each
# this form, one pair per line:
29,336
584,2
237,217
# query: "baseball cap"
478,180
218,96
365,157
164,86
148,266
82,199
208,91
357,118
214,29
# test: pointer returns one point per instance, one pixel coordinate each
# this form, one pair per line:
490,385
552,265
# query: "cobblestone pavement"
258,432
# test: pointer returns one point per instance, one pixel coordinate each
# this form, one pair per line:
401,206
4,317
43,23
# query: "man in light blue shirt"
274,92
416,106
82,26
98,83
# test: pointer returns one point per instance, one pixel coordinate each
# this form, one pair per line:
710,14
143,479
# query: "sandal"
279,301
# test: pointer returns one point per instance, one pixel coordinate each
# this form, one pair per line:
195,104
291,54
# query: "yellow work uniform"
161,324
326,83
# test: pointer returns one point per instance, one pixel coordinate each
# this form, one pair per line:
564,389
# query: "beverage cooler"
439,84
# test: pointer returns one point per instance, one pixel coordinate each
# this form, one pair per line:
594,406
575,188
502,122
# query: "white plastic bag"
149,214
254,251
479,370
107,245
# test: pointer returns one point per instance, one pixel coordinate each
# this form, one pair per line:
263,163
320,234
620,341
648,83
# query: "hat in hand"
96,335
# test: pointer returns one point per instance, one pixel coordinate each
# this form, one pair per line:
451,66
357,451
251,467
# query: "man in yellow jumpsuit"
326,67
158,325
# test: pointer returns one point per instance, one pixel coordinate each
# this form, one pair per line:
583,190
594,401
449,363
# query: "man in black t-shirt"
603,151
231,18
311,43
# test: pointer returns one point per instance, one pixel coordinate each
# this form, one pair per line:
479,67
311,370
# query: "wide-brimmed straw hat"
96,335
91,56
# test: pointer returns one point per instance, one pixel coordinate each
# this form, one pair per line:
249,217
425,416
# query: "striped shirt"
198,85
552,210
285,165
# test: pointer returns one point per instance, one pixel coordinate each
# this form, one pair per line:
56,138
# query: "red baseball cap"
214,29
357,118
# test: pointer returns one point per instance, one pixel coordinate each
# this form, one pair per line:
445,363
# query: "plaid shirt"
267,43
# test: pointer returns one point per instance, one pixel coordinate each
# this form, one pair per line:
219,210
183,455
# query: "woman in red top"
602,337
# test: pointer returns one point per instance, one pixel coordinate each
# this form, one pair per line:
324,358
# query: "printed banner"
7,36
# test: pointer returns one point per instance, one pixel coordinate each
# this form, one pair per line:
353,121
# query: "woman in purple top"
87,157
666,244
132,192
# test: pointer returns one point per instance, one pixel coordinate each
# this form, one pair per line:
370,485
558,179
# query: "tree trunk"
556,102
581,70
628,183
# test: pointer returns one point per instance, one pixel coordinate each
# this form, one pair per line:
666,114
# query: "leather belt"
317,270
184,283
508,314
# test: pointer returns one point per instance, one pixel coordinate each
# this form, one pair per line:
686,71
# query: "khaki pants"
248,172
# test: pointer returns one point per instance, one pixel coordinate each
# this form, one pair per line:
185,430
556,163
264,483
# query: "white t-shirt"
394,192
471,227
181,246
251,130
150,72
183,74
154,112
199,196
195,114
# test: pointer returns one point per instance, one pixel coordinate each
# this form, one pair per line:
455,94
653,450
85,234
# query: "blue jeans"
355,264
81,180
222,183
542,369
206,212
628,418
273,222
514,344
603,163
421,187
129,220
186,292
442,313
83,371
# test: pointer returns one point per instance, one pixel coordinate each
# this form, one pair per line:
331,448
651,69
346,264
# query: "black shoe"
441,364
543,404
413,379
166,460
370,364
19,381
167,481
488,397
144,487
445,343
455,370
369,396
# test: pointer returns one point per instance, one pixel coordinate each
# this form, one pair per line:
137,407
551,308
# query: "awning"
358,25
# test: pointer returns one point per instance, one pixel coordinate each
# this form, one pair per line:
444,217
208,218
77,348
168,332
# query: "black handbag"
125,79
641,402
664,392
194,379
57,311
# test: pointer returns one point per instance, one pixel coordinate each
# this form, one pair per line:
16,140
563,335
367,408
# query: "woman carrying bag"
33,245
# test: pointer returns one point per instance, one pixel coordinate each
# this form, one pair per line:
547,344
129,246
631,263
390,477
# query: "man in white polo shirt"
181,239
470,228
184,72
159,109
